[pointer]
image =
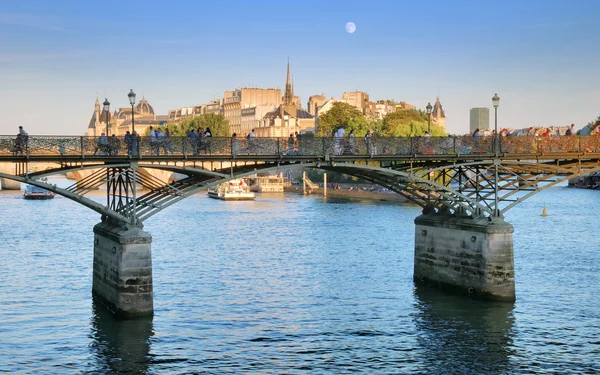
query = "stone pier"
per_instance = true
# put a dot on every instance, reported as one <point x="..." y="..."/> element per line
<point x="467" y="255"/>
<point x="123" y="269"/>
<point x="9" y="184"/>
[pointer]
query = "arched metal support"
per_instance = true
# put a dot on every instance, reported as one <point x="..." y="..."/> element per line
<point x="480" y="187"/>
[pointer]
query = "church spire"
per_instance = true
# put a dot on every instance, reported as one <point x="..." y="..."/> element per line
<point x="288" y="97"/>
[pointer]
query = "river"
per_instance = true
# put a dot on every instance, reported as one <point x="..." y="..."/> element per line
<point x="292" y="284"/>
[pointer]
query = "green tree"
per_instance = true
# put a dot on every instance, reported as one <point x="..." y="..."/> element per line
<point x="359" y="125"/>
<point x="408" y="123"/>
<point x="219" y="126"/>
<point x="340" y="114"/>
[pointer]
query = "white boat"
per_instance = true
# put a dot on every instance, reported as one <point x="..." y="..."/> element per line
<point x="233" y="190"/>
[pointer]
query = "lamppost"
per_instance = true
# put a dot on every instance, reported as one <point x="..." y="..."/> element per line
<point x="106" y="110"/>
<point x="496" y="102"/>
<point x="134" y="152"/>
<point x="131" y="97"/>
<point x="428" y="108"/>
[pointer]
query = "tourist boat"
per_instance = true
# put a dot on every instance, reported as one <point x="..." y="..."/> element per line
<point x="233" y="190"/>
<point x="34" y="192"/>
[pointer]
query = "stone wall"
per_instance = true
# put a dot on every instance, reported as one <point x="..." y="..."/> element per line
<point x="123" y="269"/>
<point x="468" y="255"/>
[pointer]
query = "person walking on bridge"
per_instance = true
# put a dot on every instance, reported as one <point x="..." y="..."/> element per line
<point x="21" y="141"/>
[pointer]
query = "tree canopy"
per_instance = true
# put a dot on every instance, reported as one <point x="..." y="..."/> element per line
<point x="401" y="123"/>
<point x="408" y="123"/>
<point x="340" y="114"/>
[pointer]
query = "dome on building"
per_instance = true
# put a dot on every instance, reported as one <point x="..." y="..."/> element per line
<point x="144" y="108"/>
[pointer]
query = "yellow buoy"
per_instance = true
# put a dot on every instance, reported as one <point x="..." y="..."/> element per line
<point x="544" y="213"/>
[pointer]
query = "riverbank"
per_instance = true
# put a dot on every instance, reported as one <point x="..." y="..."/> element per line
<point x="351" y="192"/>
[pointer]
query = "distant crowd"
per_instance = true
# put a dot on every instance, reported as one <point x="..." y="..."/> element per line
<point x="593" y="129"/>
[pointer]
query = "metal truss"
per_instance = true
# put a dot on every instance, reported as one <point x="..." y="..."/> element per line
<point x="484" y="187"/>
<point x="473" y="185"/>
<point x="126" y="200"/>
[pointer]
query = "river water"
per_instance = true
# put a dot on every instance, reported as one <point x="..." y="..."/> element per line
<point x="296" y="285"/>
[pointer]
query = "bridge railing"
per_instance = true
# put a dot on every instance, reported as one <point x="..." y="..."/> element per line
<point x="304" y="145"/>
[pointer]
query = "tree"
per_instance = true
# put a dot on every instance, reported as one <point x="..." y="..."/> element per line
<point x="408" y="123"/>
<point x="219" y="126"/>
<point x="340" y="114"/>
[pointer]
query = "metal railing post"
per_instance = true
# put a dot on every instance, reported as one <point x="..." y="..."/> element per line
<point x="81" y="145"/>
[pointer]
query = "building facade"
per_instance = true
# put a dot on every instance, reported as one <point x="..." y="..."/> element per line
<point x="288" y="118"/>
<point x="314" y="102"/>
<point x="479" y="119"/>
<point x="359" y="100"/>
<point x="120" y="121"/>
<point x="236" y="100"/>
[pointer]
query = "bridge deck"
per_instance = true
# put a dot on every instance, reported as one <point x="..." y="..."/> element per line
<point x="310" y="149"/>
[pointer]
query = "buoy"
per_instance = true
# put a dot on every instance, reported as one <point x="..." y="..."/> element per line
<point x="544" y="213"/>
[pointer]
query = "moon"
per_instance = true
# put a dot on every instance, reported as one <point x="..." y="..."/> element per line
<point x="350" y="27"/>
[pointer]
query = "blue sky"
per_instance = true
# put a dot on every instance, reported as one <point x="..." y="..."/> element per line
<point x="541" y="57"/>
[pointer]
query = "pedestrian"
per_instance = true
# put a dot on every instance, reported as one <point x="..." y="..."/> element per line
<point x="128" y="142"/>
<point x="21" y="141"/>
<point x="291" y="143"/>
<point x="167" y="142"/>
<point x="367" y="141"/>
<point x="235" y="146"/>
<point x="207" y="140"/>
<point x="251" y="144"/>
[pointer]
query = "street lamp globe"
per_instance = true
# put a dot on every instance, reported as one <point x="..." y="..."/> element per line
<point x="131" y="96"/>
<point x="496" y="100"/>
<point x="429" y="108"/>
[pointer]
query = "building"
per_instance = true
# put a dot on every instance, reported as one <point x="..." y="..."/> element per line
<point x="438" y="117"/>
<point x="314" y="102"/>
<point x="404" y="105"/>
<point x="382" y="107"/>
<point x="236" y="100"/>
<point x="479" y="119"/>
<point x="288" y="117"/>
<point x="120" y="120"/>
<point x="214" y="106"/>
<point x="359" y="100"/>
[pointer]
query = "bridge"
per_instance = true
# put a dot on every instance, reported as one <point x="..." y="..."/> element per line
<point x="464" y="184"/>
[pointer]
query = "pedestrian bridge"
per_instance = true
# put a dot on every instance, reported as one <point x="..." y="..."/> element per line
<point x="464" y="184"/>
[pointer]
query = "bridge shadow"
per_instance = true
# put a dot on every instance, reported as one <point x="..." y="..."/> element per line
<point x="463" y="336"/>
<point x="119" y="346"/>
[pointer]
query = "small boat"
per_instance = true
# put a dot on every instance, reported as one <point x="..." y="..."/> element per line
<point x="233" y="190"/>
<point x="34" y="192"/>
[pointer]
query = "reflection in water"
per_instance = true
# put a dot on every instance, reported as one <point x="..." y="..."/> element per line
<point x="120" y="346"/>
<point x="459" y="335"/>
